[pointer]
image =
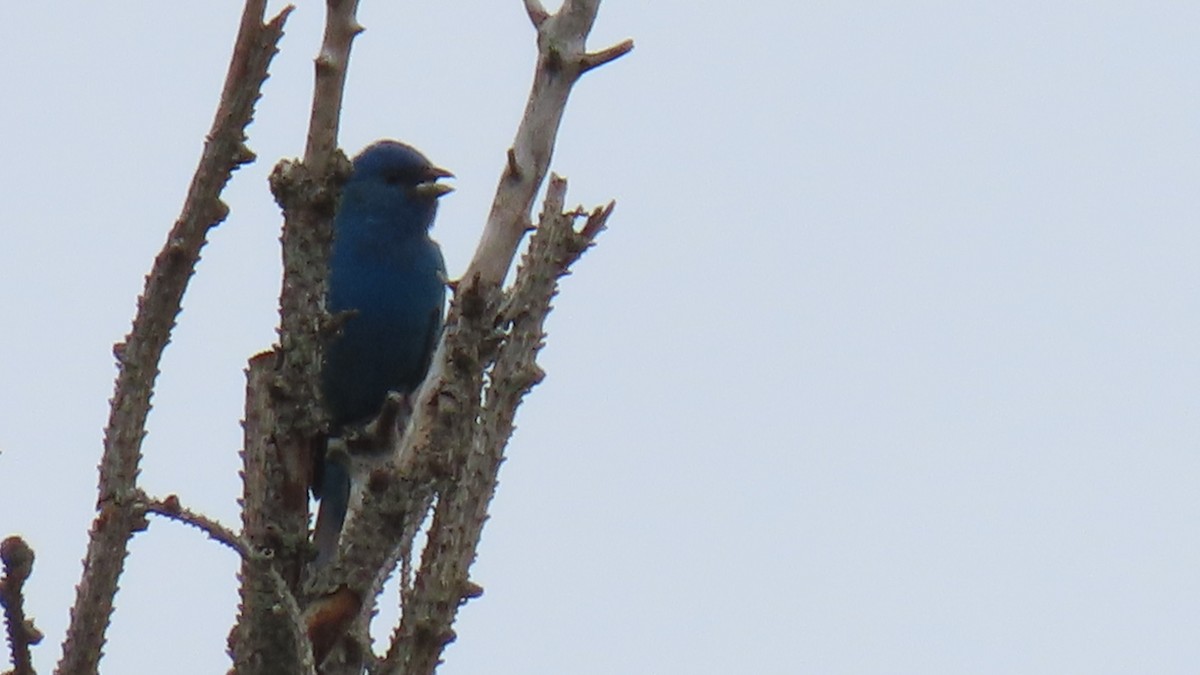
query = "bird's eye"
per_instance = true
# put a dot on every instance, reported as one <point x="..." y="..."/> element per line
<point x="393" y="178"/>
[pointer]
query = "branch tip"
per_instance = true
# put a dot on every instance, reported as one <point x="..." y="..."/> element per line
<point x="597" y="220"/>
<point x="537" y="13"/>
<point x="17" y="557"/>
<point x="597" y="59"/>
<point x="277" y="21"/>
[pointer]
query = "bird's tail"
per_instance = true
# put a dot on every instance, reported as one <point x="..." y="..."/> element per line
<point x="335" y="498"/>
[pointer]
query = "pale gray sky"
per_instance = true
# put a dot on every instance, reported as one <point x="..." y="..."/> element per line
<point x="888" y="363"/>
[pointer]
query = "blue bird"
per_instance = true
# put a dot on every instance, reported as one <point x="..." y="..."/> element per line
<point x="390" y="278"/>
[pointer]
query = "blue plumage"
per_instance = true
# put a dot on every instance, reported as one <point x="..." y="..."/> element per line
<point x="387" y="271"/>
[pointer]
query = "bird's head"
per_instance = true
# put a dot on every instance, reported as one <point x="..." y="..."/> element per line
<point x="396" y="177"/>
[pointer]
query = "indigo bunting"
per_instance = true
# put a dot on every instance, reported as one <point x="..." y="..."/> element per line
<point x="389" y="277"/>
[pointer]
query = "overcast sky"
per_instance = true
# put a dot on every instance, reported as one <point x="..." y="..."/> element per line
<point x="887" y="364"/>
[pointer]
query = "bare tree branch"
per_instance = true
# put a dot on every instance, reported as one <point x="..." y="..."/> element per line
<point x="171" y="509"/>
<point x="332" y="64"/>
<point x="537" y="13"/>
<point x="562" y="58"/>
<point x="261" y="577"/>
<point x="597" y="59"/>
<point x="308" y="193"/>
<point x="554" y="248"/>
<point x="442" y="584"/>
<point x="264" y="639"/>
<point x="138" y="356"/>
<point x="18" y="565"/>
<point x="284" y="417"/>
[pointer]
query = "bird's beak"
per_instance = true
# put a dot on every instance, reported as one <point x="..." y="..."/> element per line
<point x="433" y="189"/>
<point x="436" y="172"/>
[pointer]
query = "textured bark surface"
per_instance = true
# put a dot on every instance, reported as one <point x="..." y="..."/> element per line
<point x="284" y="418"/>
<point x="139" y="354"/>
<point x="21" y="633"/>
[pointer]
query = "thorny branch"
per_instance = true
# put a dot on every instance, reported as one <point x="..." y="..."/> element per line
<point x="22" y="634"/>
<point x="442" y="583"/>
<point x="284" y="418"/>
<point x="172" y="509"/>
<point x="562" y="59"/>
<point x="139" y="355"/>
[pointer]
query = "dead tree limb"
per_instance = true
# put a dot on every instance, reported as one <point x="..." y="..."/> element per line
<point x="139" y="354"/>
<point x="284" y="419"/>
<point x="22" y="634"/>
